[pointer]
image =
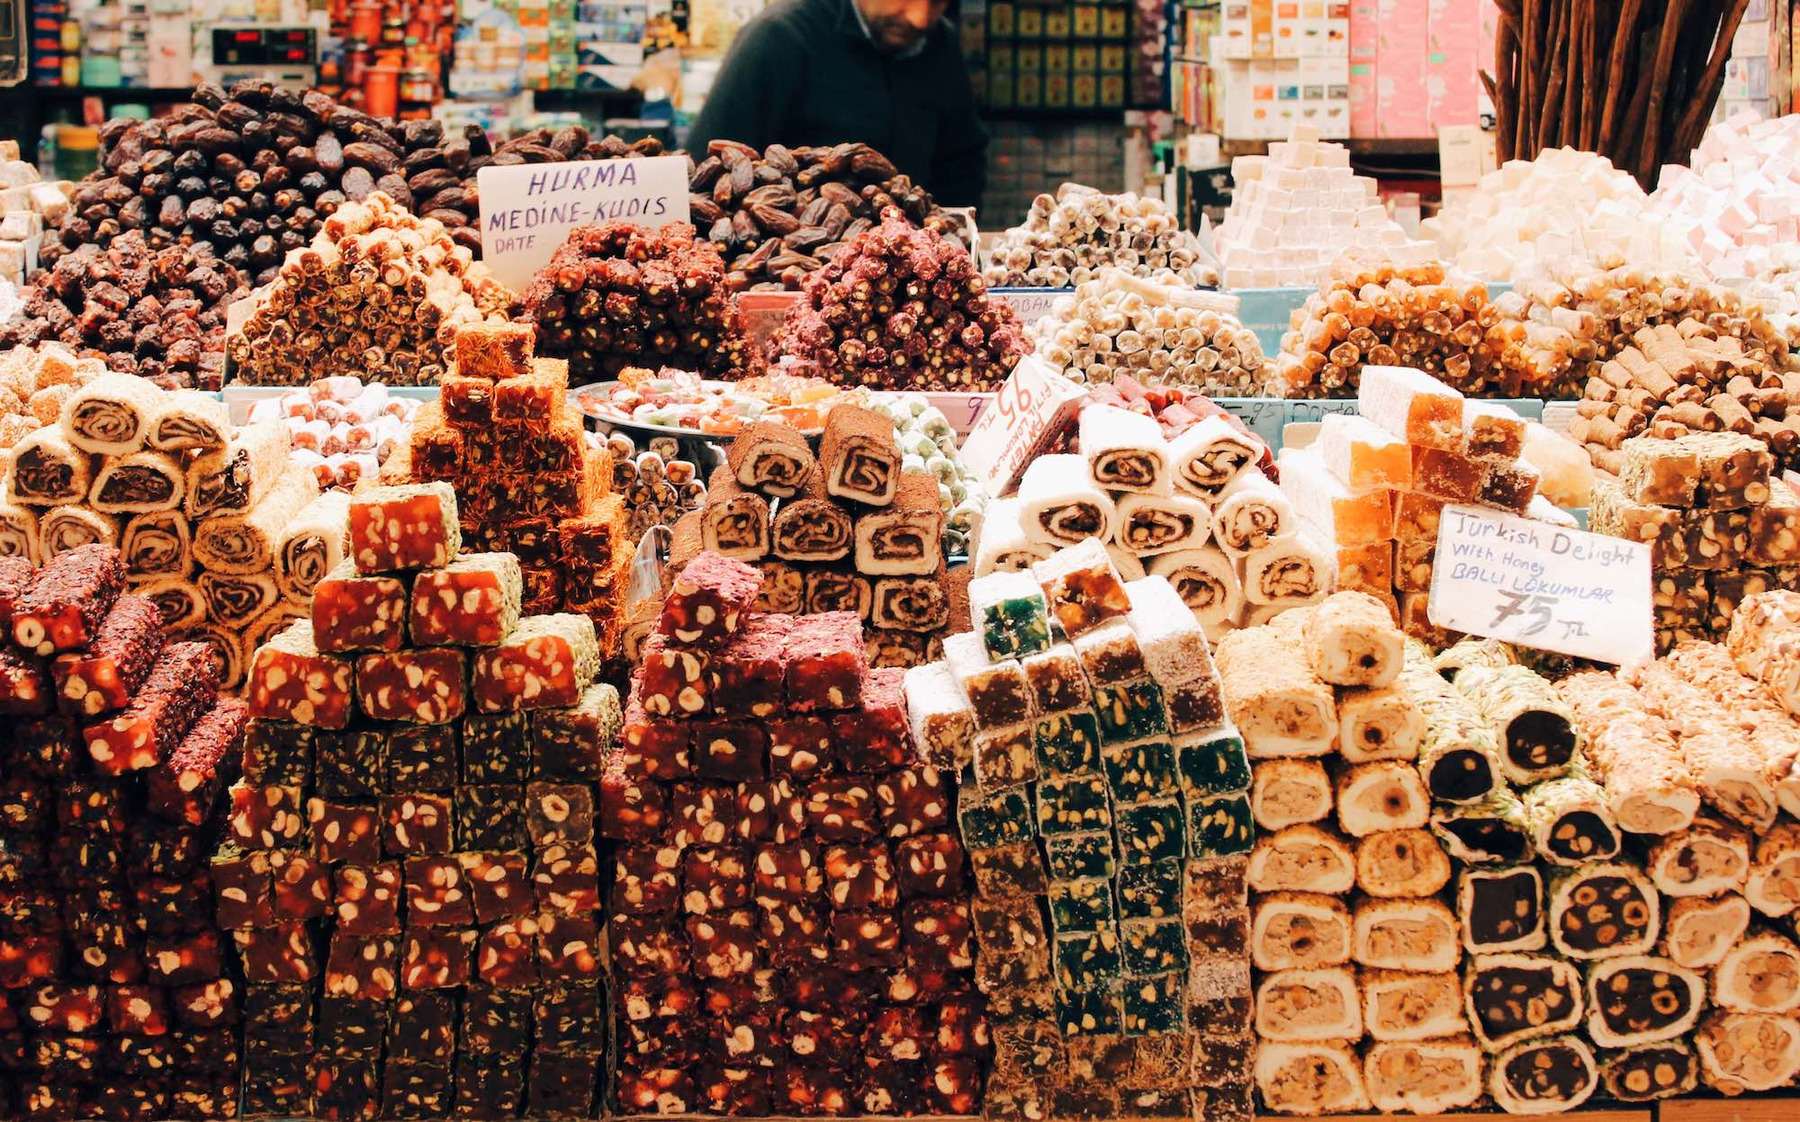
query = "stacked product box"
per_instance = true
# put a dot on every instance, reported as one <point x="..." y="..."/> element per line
<point x="790" y="932"/>
<point x="848" y="530"/>
<point x="1102" y="787"/>
<point x="1374" y="486"/>
<point x="215" y="524"/>
<point x="527" y="480"/>
<point x="117" y="747"/>
<point x="1719" y="525"/>
<point x="410" y="876"/>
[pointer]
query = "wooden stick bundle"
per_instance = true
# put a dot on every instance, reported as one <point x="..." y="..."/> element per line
<point x="1635" y="82"/>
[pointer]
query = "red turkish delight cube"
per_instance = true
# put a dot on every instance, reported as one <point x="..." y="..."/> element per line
<point x="290" y="680"/>
<point x="66" y="1008"/>
<point x="701" y="813"/>
<point x="744" y="1035"/>
<point x="875" y="735"/>
<point x="184" y="787"/>
<point x="647" y="945"/>
<point x="929" y="864"/>
<point x="729" y="750"/>
<point x="106" y="674"/>
<point x="205" y="1005"/>
<point x="748" y="672"/>
<point x="938" y="932"/>
<point x="282" y="953"/>
<point x="794" y="934"/>
<point x="768" y="810"/>
<point x="137" y="1010"/>
<point x="868" y="940"/>
<point x="632" y="808"/>
<point x="883" y="1086"/>
<point x="709" y="600"/>
<point x="568" y="947"/>
<point x="473" y="602"/>
<point x="436" y="957"/>
<point x="436" y="893"/>
<point x="898" y="1032"/>
<point x="544" y="664"/>
<point x="826" y="662"/>
<point x="816" y="1033"/>
<point x="367" y="900"/>
<point x="658" y="747"/>
<point x="243" y="889"/>
<point x="723" y="945"/>
<point x="507" y="954"/>
<point x="646" y="878"/>
<point x="861" y="877"/>
<point x="842" y="807"/>
<point x="353" y="612"/>
<point x="913" y="801"/>
<point x="366" y="967"/>
<point x="672" y="681"/>
<point x="409" y="526"/>
<point x="566" y="880"/>
<point x="265" y="817"/>
<point x="182" y="686"/>
<point x="800" y="747"/>
<point x="499" y="884"/>
<point x="833" y="988"/>
<point x="559" y="813"/>
<point x="302" y="885"/>
<point x="415" y="823"/>
<point x="713" y="879"/>
<point x="645" y="999"/>
<point x="788" y="873"/>
<point x="344" y="831"/>
<point x="417" y="686"/>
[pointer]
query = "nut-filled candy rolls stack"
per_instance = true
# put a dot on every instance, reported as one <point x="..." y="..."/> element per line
<point x="410" y="876"/>
<point x="1099" y="778"/>
<point x="526" y="479"/>
<point x="847" y="530"/>
<point x="117" y="746"/>
<point x="790" y="929"/>
<point x="1720" y="526"/>
<point x="199" y="511"/>
<point x="1349" y="936"/>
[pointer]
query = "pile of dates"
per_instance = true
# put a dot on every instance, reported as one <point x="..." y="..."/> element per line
<point x="157" y="312"/>
<point x="777" y="216"/>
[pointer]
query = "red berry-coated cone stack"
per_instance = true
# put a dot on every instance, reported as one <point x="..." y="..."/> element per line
<point x="790" y="931"/>
<point x="115" y="748"/>
<point x="411" y="881"/>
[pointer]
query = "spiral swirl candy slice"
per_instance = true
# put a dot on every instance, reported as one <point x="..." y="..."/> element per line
<point x="1125" y="450"/>
<point x="111" y="415"/>
<point x="18" y="533"/>
<point x="1707" y="858"/>
<point x="157" y="546"/>
<point x="811" y="527"/>
<point x="236" y="477"/>
<point x="1250" y="513"/>
<point x="1773" y="886"/>
<point x="1060" y="505"/>
<point x="139" y="483"/>
<point x="246" y="542"/>
<point x="858" y="455"/>
<point x="48" y="471"/>
<point x="905" y="537"/>
<point x="71" y="527"/>
<point x="188" y="420"/>
<point x="1209" y="454"/>
<point x="774" y="459"/>
<point x="1206" y="581"/>
<point x="234" y="600"/>
<point x="914" y="604"/>
<point x="735" y="520"/>
<point x="178" y="601"/>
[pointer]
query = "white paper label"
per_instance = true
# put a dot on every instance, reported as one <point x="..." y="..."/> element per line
<point x="1032" y="404"/>
<point x="527" y="210"/>
<point x="1540" y="585"/>
<point x="1030" y="304"/>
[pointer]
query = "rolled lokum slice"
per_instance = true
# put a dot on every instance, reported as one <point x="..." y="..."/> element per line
<point x="181" y="686"/>
<point x="1516" y="997"/>
<point x="1728" y="768"/>
<point x="835" y="589"/>
<point x="708" y="600"/>
<point x="1310" y="1079"/>
<point x="1603" y="910"/>
<point x="106" y="675"/>
<point x="1760" y="974"/>
<point x="1302" y="1005"/>
<point x="772" y="458"/>
<point x="110" y="415"/>
<point x="1773" y="884"/>
<point x="1705" y="859"/>
<point x="245" y="542"/>
<point x="1405" y="934"/>
<point x="1649" y="1072"/>
<point x="310" y="545"/>
<point x="1387" y="795"/>
<point x="410" y="526"/>
<point x="943" y="721"/>
<point x="1700" y="930"/>
<point x="1082" y="587"/>
<point x="997" y="691"/>
<point x="1547" y="1076"/>
<point x="901" y="539"/>
<point x="1209" y="454"/>
<point x="177" y="601"/>
<point x="1291" y="571"/>
<point x="1473" y="652"/>
<point x="1289" y="792"/>
<point x="1423" y="1076"/>
<point x="139" y="484"/>
<point x="474" y="601"/>
<point x="68" y="600"/>
<point x="71" y="527"/>
<point x="858" y="455"/>
<point x="1010" y="613"/>
<point x="1641" y="999"/>
<point x="1399" y="863"/>
<point x="1501" y="908"/>
<point x="1280" y="706"/>
<point x="188" y="420"/>
<point x="1411" y="405"/>
<point x="1351" y="640"/>
<point x="1459" y="756"/>
<point x="1207" y="583"/>
<point x="1341" y="516"/>
<point x="1299" y="931"/>
<point x="544" y="664"/>
<point x="48" y="471"/>
<point x="1302" y="858"/>
<point x="1489" y="831"/>
<point x="1003" y="545"/>
<point x="1251" y="513"/>
<point x="1748" y="1051"/>
<point x="19" y="531"/>
<point x="735" y="520"/>
<point x="1633" y="754"/>
<point x="1570" y="821"/>
<point x="236" y="477"/>
<point x="1403" y="1005"/>
<point x="1125" y="451"/>
<point x="1060" y="505"/>
<point x="1151" y="524"/>
<point x="1535" y="726"/>
<point x="1378" y="724"/>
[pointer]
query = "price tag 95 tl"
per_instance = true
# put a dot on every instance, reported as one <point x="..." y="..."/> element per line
<point x="1539" y="585"/>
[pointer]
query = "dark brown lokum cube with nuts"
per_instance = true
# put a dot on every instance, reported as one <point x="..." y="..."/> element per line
<point x="351" y="1026"/>
<point x="632" y="809"/>
<point x="646" y="878"/>
<point x="559" y="814"/>
<point x="499" y="884"/>
<point x="789" y="872"/>
<point x="436" y="957"/>
<point x="868" y="940"/>
<point x="560" y="1086"/>
<point x="436" y="893"/>
<point x="656" y="747"/>
<point x="647" y="945"/>
<point x="826" y="662"/>
<point x="495" y="1021"/>
<point x="566" y="879"/>
<point x="571" y="1018"/>
<point x="302" y="885"/>
<point x="494" y="747"/>
<point x="416" y="823"/>
<point x="266" y="817"/>
<point x="860" y="877"/>
<point x="281" y="953"/>
<point x="722" y="945"/>
<point x="506" y="956"/>
<point x="873" y="735"/>
<point x="729" y="750"/>
<point x="368" y="899"/>
<point x="490" y="816"/>
<point x="243" y="888"/>
<point x="278" y="1019"/>
<point x="344" y="831"/>
<point x="938" y="932"/>
<point x="566" y="744"/>
<point x="800" y="747"/>
<point x="929" y="864"/>
<point x="794" y="934"/>
<point x="422" y="1028"/>
<point x="768" y="810"/>
<point x="713" y="879"/>
<point x="747" y="673"/>
<point x="421" y="758"/>
<point x="568" y="947"/>
<point x="842" y="807"/>
<point x="366" y="967"/>
<point x="352" y="763"/>
<point x="672" y="681"/>
<point x="277" y="753"/>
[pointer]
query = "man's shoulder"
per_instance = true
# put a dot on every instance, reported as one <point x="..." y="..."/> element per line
<point x="802" y="19"/>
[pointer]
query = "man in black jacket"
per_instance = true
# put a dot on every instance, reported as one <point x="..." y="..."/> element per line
<point x="888" y="73"/>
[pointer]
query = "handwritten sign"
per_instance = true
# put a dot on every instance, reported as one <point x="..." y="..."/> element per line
<point x="1033" y="405"/>
<point x="527" y="210"/>
<point x="1540" y="585"/>
<point x="1030" y="304"/>
<point x="1263" y="416"/>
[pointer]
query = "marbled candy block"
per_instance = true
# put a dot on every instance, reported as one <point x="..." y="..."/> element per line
<point x="495" y="747"/>
<point x="422" y="758"/>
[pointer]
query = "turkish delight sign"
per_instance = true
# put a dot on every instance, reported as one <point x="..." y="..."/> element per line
<point x="527" y="210"/>
<point x="1033" y="405"/>
<point x="1540" y="585"/>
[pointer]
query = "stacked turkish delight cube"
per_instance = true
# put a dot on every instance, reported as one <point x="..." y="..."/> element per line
<point x="527" y="479"/>
<point x="790" y="933"/>
<point x="1374" y="485"/>
<point x="1720" y="528"/>
<point x="1100" y="786"/>
<point x="410" y="878"/>
<point x="850" y="529"/>
<point x="117" y="748"/>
